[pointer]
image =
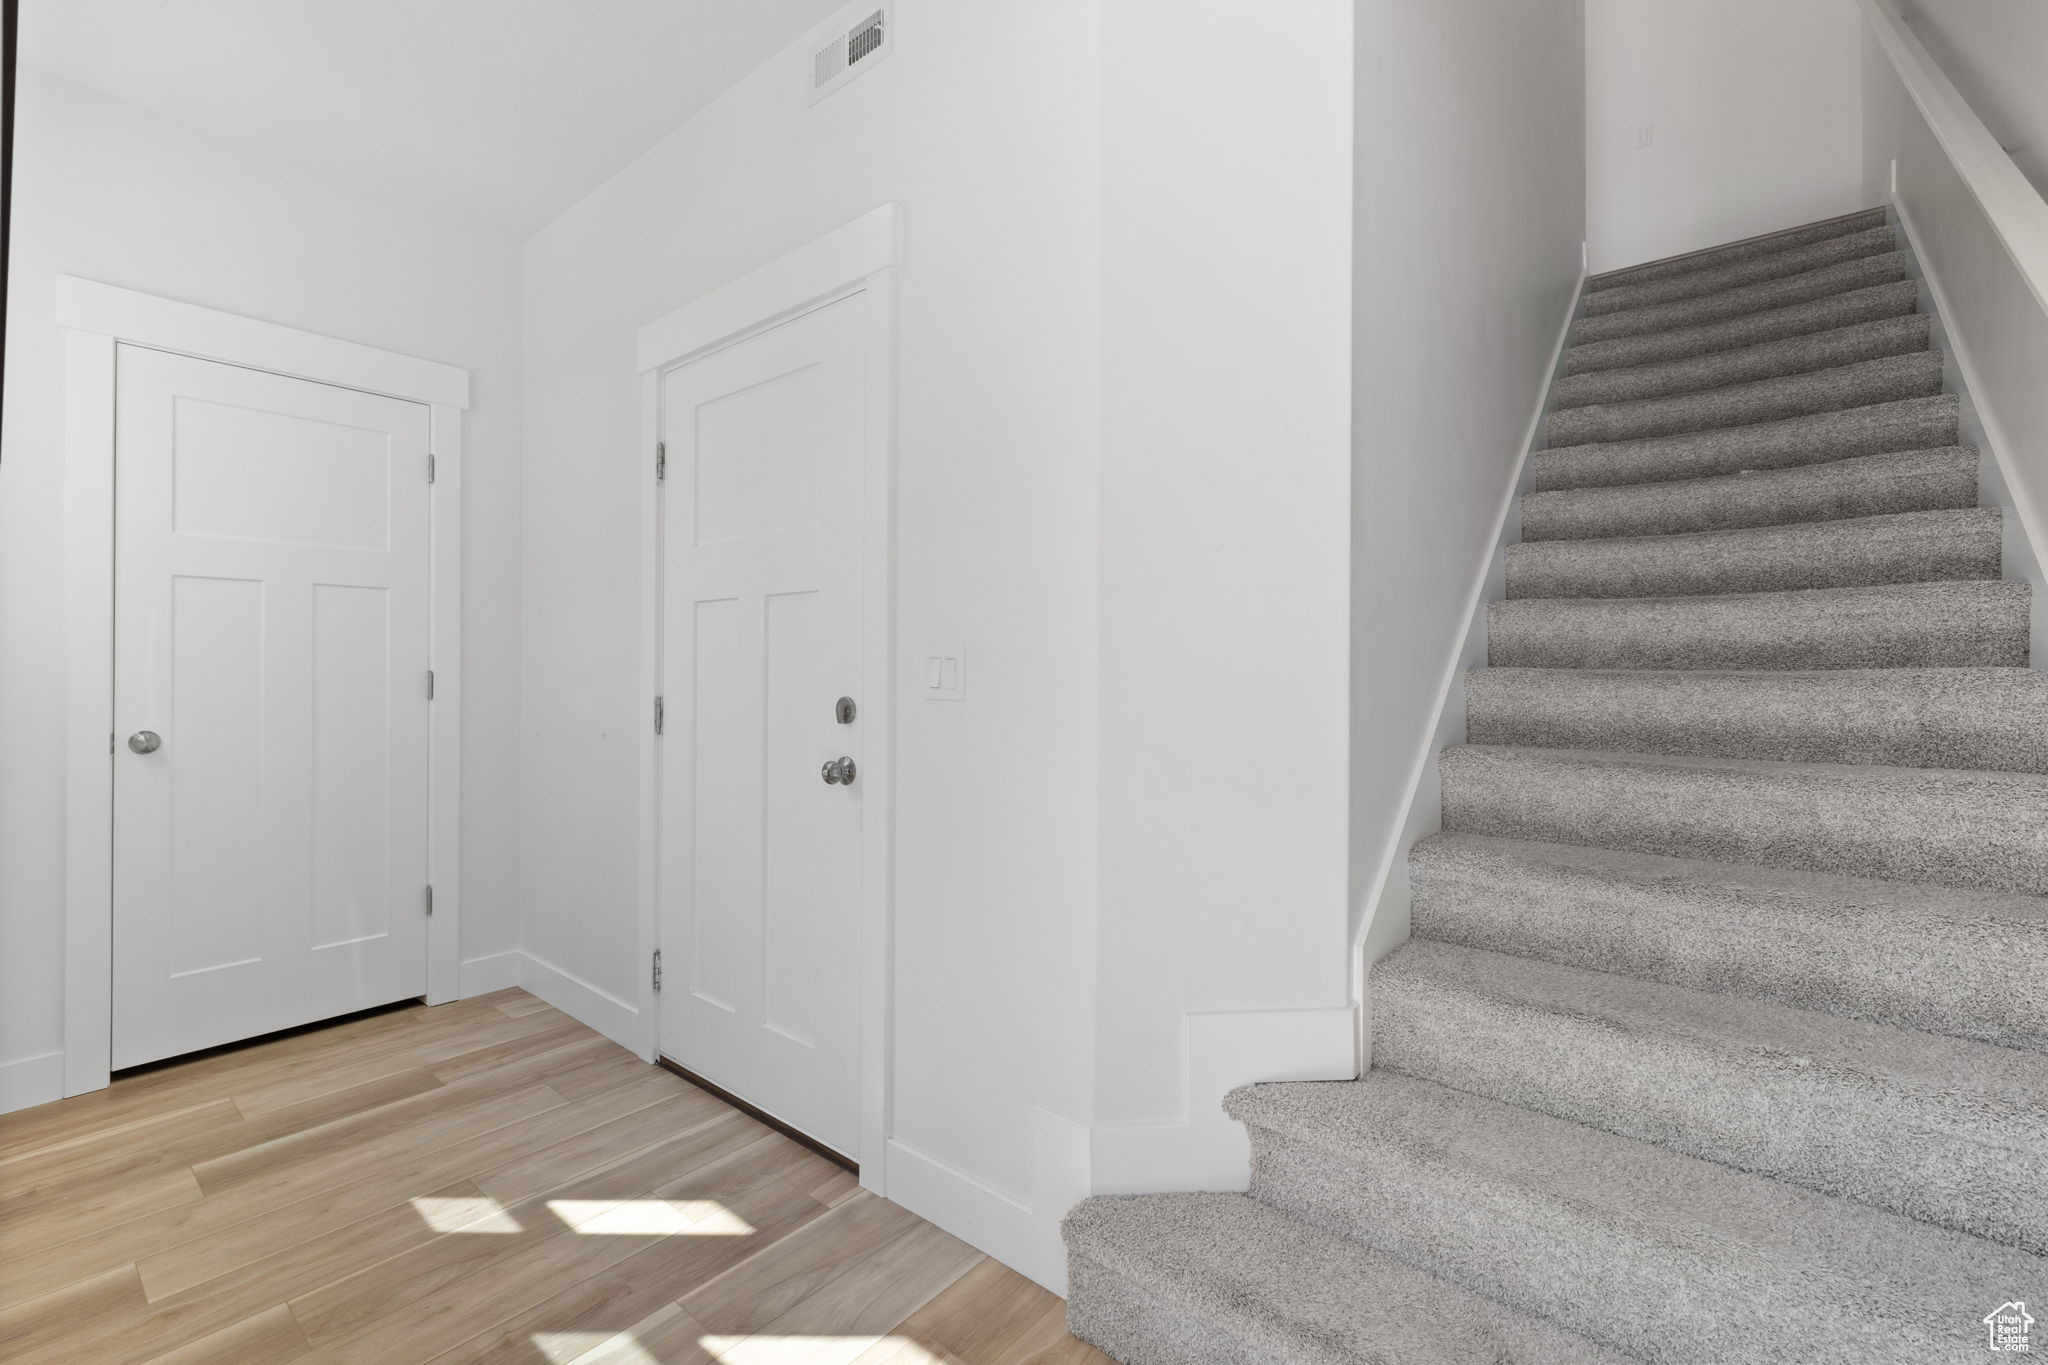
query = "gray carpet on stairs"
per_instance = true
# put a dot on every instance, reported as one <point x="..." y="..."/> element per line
<point x="1749" y="298"/>
<point x="1809" y="939"/>
<point x="1902" y="547"/>
<point x="1833" y="312"/>
<point x="1991" y="718"/>
<point x="1795" y="355"/>
<point x="1886" y="379"/>
<point x="1941" y="1129"/>
<point x="1907" y="424"/>
<point x="1722" y="1037"/>
<point x="1671" y="1258"/>
<point x="1954" y="827"/>
<point x="1218" y="1279"/>
<point x="1902" y="625"/>
<point x="1861" y="486"/>
<point x="1768" y="245"/>
<point x="1712" y="278"/>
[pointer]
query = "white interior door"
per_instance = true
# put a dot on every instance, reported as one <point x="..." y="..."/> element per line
<point x="271" y="630"/>
<point x="760" y="857"/>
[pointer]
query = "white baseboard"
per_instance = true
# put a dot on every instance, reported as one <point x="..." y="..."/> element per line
<point x="583" y="1002"/>
<point x="31" y="1081"/>
<point x="482" y="975"/>
<point x="1023" y="1236"/>
<point x="1207" y="1149"/>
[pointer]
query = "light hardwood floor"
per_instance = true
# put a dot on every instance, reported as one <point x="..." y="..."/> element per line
<point x="482" y="1181"/>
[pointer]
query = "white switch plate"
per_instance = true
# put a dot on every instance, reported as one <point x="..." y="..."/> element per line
<point x="942" y="674"/>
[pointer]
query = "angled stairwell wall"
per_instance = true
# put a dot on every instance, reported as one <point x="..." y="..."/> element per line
<point x="1457" y="327"/>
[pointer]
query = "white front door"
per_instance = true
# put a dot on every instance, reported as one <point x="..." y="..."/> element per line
<point x="760" y="857"/>
<point x="270" y="636"/>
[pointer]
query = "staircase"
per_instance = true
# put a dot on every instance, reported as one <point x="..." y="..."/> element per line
<point x="1723" y="1033"/>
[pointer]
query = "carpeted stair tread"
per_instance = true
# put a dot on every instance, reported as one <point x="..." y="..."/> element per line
<point x="1968" y="964"/>
<point x="1678" y="1260"/>
<point x="1886" y="379"/>
<point x="1861" y="486"/>
<point x="1971" y="624"/>
<point x="1900" y="547"/>
<point x="1768" y="244"/>
<point x="1950" y="827"/>
<point x="1946" y="1130"/>
<point x="1767" y="360"/>
<point x="1828" y="313"/>
<point x="1714" y="277"/>
<point x="1840" y="278"/>
<point x="1819" y="438"/>
<point x="1990" y="718"/>
<point x="1220" y="1279"/>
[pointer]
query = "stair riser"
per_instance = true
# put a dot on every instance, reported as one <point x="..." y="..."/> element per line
<point x="1768" y="245"/>
<point x="1754" y="298"/>
<point x="1890" y="379"/>
<point x="1897" y="299"/>
<point x="1926" y="1155"/>
<point x="1713" y="278"/>
<point x="1910" y="722"/>
<point x="1867" y="486"/>
<point x="1615" y="1283"/>
<point x="1115" y="1315"/>
<point x="1860" y="958"/>
<point x="1989" y="833"/>
<point x="1797" y="355"/>
<point x="1920" y="547"/>
<point x="1971" y="626"/>
<point x="1916" y="424"/>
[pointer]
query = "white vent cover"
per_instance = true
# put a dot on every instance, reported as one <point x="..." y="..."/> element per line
<point x="843" y="56"/>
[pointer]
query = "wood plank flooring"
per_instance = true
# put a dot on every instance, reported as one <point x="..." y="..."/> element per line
<point x="486" y="1181"/>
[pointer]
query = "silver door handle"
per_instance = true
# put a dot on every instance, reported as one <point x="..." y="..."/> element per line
<point x="839" y="770"/>
<point x="145" y="741"/>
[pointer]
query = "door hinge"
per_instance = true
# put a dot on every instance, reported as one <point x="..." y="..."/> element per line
<point x="430" y="899"/>
<point x="657" y="715"/>
<point x="657" y="969"/>
<point x="660" y="461"/>
<point x="430" y="466"/>
<point x="430" y="684"/>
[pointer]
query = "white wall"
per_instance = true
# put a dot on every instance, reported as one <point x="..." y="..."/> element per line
<point x="108" y="192"/>
<point x="1996" y="51"/>
<point x="994" y="161"/>
<point x="1756" y="121"/>
<point x="1468" y="262"/>
<point x="1226" y="480"/>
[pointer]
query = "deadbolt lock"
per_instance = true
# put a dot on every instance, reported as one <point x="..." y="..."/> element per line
<point x="844" y="710"/>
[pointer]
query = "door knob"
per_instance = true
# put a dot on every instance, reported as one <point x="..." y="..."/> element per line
<point x="149" y="741"/>
<point x="839" y="770"/>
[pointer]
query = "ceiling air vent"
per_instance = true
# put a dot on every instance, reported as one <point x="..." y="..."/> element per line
<point x="839" y="58"/>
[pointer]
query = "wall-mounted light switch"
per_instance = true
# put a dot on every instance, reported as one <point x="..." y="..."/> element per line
<point x="945" y="675"/>
<point x="1646" y="133"/>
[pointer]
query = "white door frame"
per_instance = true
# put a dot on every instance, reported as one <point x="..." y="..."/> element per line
<point x="860" y="257"/>
<point x="96" y="318"/>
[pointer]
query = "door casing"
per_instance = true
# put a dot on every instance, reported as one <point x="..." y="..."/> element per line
<point x="860" y="257"/>
<point x="96" y="318"/>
